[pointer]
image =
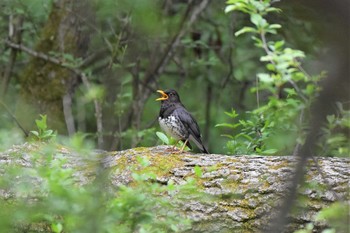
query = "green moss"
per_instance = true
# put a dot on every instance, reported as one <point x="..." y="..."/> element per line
<point x="164" y="163"/>
<point x="141" y="149"/>
<point x="281" y="164"/>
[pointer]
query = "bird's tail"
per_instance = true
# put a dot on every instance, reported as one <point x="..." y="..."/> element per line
<point x="205" y="150"/>
<point x="199" y="144"/>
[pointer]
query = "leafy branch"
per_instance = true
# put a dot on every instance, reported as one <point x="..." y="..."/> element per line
<point x="286" y="83"/>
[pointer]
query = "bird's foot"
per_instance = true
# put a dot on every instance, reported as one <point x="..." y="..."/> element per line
<point x="174" y="150"/>
<point x="177" y="151"/>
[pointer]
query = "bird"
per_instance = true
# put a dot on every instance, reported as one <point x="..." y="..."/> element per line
<point x="177" y="122"/>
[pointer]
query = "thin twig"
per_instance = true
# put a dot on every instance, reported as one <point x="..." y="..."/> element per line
<point x="302" y="70"/>
<point x="98" y="31"/>
<point x="36" y="54"/>
<point x="300" y="93"/>
<point x="265" y="47"/>
<point x="67" y="112"/>
<point x="26" y="134"/>
<point x="187" y="21"/>
<point x="98" y="112"/>
<point x="257" y="92"/>
<point x="229" y="59"/>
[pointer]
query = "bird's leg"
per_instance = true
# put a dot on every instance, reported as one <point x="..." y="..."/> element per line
<point x="183" y="147"/>
<point x="174" y="146"/>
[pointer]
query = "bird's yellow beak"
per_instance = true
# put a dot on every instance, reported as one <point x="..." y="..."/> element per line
<point x="164" y="95"/>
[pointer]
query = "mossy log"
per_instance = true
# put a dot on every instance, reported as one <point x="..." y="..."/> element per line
<point x="244" y="190"/>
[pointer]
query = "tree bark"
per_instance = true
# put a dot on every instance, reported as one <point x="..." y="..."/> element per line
<point x="240" y="193"/>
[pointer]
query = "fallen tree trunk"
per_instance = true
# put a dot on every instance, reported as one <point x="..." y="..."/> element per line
<point x="244" y="190"/>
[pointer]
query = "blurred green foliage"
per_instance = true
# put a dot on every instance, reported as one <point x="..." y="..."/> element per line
<point x="335" y="216"/>
<point x="49" y="197"/>
<point x="335" y="139"/>
<point x="277" y="125"/>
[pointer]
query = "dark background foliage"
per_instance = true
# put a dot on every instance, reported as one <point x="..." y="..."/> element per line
<point x="94" y="67"/>
<point x="260" y="77"/>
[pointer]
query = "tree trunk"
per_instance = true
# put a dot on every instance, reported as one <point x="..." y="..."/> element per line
<point x="44" y="84"/>
<point x="240" y="193"/>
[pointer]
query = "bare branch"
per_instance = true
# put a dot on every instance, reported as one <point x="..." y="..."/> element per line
<point x="68" y="115"/>
<point x="15" y="34"/>
<point x="185" y="25"/>
<point x="26" y="134"/>
<point x="36" y="54"/>
<point x="98" y="112"/>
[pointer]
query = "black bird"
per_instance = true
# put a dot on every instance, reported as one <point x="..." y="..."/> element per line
<point x="177" y="122"/>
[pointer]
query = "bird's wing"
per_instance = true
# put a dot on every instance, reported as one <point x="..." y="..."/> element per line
<point x="192" y="126"/>
<point x="188" y="120"/>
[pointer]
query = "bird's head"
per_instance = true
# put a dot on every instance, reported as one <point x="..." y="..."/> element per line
<point x="169" y="96"/>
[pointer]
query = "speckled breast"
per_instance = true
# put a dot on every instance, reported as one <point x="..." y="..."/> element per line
<point x="173" y="127"/>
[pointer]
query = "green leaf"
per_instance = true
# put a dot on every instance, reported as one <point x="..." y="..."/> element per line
<point x="256" y="19"/>
<point x="245" y="30"/>
<point x="336" y="139"/>
<point x="247" y="137"/>
<point x="57" y="227"/>
<point x="279" y="44"/>
<point x="230" y="8"/>
<point x="238" y="5"/>
<point x="163" y="137"/>
<point x="95" y="92"/>
<point x="273" y="9"/>
<point x="294" y="53"/>
<point x="332" y="211"/>
<point x="228" y="125"/>
<point x="36" y="133"/>
<point x="198" y="171"/>
<point x="47" y="133"/>
<point x="329" y="231"/>
<point x="265" y="78"/>
<point x="331" y="118"/>
<point x="232" y="114"/>
<point x="41" y="124"/>
<point x="275" y="26"/>
<point x="227" y="135"/>
<point x="269" y="151"/>
<point x="290" y="91"/>
<point x="310" y="89"/>
<point x="258" y="42"/>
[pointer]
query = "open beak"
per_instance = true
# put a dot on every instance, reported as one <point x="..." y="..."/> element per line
<point x="164" y="96"/>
